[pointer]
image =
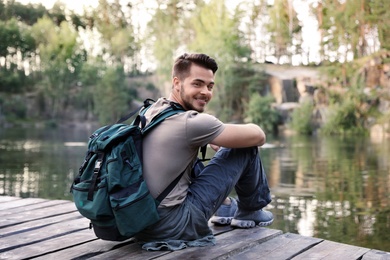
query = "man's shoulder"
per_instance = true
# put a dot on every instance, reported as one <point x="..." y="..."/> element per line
<point x="201" y="116"/>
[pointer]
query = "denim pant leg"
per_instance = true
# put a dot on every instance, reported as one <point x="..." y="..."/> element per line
<point x="230" y="168"/>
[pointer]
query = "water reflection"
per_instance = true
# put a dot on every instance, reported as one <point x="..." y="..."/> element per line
<point x="333" y="188"/>
<point x="40" y="163"/>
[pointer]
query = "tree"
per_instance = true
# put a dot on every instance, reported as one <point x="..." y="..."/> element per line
<point x="169" y="31"/>
<point x="16" y="46"/>
<point x="117" y="34"/>
<point x="61" y="61"/>
<point x="285" y="30"/>
<point x="379" y="17"/>
<point x="111" y="98"/>
<point x="28" y="14"/>
<point x="256" y="32"/>
<point x="216" y="32"/>
<point x="346" y="28"/>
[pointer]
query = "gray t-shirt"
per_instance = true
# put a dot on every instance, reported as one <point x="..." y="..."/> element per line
<point x="169" y="149"/>
<point x="172" y="147"/>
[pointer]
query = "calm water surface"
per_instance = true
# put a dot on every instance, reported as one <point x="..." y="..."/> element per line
<point x="333" y="188"/>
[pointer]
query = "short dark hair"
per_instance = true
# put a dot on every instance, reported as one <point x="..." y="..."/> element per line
<point x="182" y="65"/>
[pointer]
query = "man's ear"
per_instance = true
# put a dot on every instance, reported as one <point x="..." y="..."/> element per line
<point x="176" y="84"/>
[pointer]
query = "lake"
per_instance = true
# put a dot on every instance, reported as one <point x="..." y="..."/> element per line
<point x="335" y="188"/>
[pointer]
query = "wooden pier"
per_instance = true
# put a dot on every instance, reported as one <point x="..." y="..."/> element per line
<point x="53" y="229"/>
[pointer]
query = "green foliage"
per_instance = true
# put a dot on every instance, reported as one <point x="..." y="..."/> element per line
<point x="117" y="33"/>
<point x="61" y="62"/>
<point x="57" y="13"/>
<point x="168" y="30"/>
<point x="346" y="26"/>
<point x="16" y="41"/>
<point x="27" y="13"/>
<point x="260" y="112"/>
<point x="37" y="43"/>
<point x="13" y="107"/>
<point x="301" y="118"/>
<point x="14" y="38"/>
<point x="14" y="80"/>
<point x="111" y="98"/>
<point x="217" y="33"/>
<point x="91" y="73"/>
<point x="284" y="28"/>
<point x="345" y="118"/>
<point x="241" y="81"/>
<point x="379" y="16"/>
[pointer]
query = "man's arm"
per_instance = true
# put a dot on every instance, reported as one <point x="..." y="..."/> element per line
<point x="240" y="136"/>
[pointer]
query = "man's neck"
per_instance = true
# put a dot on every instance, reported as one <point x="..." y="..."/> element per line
<point x="174" y="99"/>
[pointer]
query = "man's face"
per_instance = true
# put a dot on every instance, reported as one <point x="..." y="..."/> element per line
<point x="196" y="90"/>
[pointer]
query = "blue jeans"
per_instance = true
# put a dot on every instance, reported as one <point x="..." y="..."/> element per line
<point x="239" y="168"/>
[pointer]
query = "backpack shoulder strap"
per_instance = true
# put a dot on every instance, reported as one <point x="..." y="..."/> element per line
<point x="169" y="188"/>
<point x="173" y="109"/>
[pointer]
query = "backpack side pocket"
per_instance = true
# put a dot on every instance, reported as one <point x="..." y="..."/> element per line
<point x="134" y="208"/>
<point x="99" y="207"/>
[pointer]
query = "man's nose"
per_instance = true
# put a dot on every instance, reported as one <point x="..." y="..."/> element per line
<point x="205" y="90"/>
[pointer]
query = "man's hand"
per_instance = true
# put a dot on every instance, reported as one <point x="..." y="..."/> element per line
<point x="214" y="147"/>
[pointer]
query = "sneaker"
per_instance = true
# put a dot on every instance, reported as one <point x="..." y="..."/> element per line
<point x="225" y="213"/>
<point x="249" y="219"/>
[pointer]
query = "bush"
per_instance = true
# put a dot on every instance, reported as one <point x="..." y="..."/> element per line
<point x="344" y="118"/>
<point x="301" y="118"/>
<point x="260" y="112"/>
<point x="13" y="107"/>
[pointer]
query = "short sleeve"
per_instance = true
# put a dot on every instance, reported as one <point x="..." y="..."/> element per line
<point x="202" y="128"/>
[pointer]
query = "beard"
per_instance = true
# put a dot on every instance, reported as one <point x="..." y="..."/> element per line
<point x="187" y="101"/>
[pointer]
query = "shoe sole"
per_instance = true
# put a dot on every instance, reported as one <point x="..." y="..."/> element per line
<point x="221" y="220"/>
<point x="249" y="223"/>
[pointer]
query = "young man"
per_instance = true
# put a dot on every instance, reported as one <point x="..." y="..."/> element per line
<point x="172" y="148"/>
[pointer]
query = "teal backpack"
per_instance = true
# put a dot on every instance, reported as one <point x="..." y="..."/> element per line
<point x="110" y="190"/>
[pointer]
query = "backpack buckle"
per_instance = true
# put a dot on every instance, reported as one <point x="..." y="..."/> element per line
<point x="98" y="163"/>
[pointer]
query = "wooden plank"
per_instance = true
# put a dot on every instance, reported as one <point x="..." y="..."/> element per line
<point x="227" y="243"/>
<point x="6" y="199"/>
<point x="332" y="250"/>
<point x="376" y="255"/>
<point x="19" y="203"/>
<point x="84" y="251"/>
<point x="43" y="233"/>
<point x="49" y="245"/>
<point x="41" y="205"/>
<point x="281" y="247"/>
<point x="134" y="250"/>
<point x="37" y="214"/>
<point x="94" y="250"/>
<point x="218" y="229"/>
<point x="37" y="224"/>
<point x="98" y="247"/>
<point x="43" y="229"/>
